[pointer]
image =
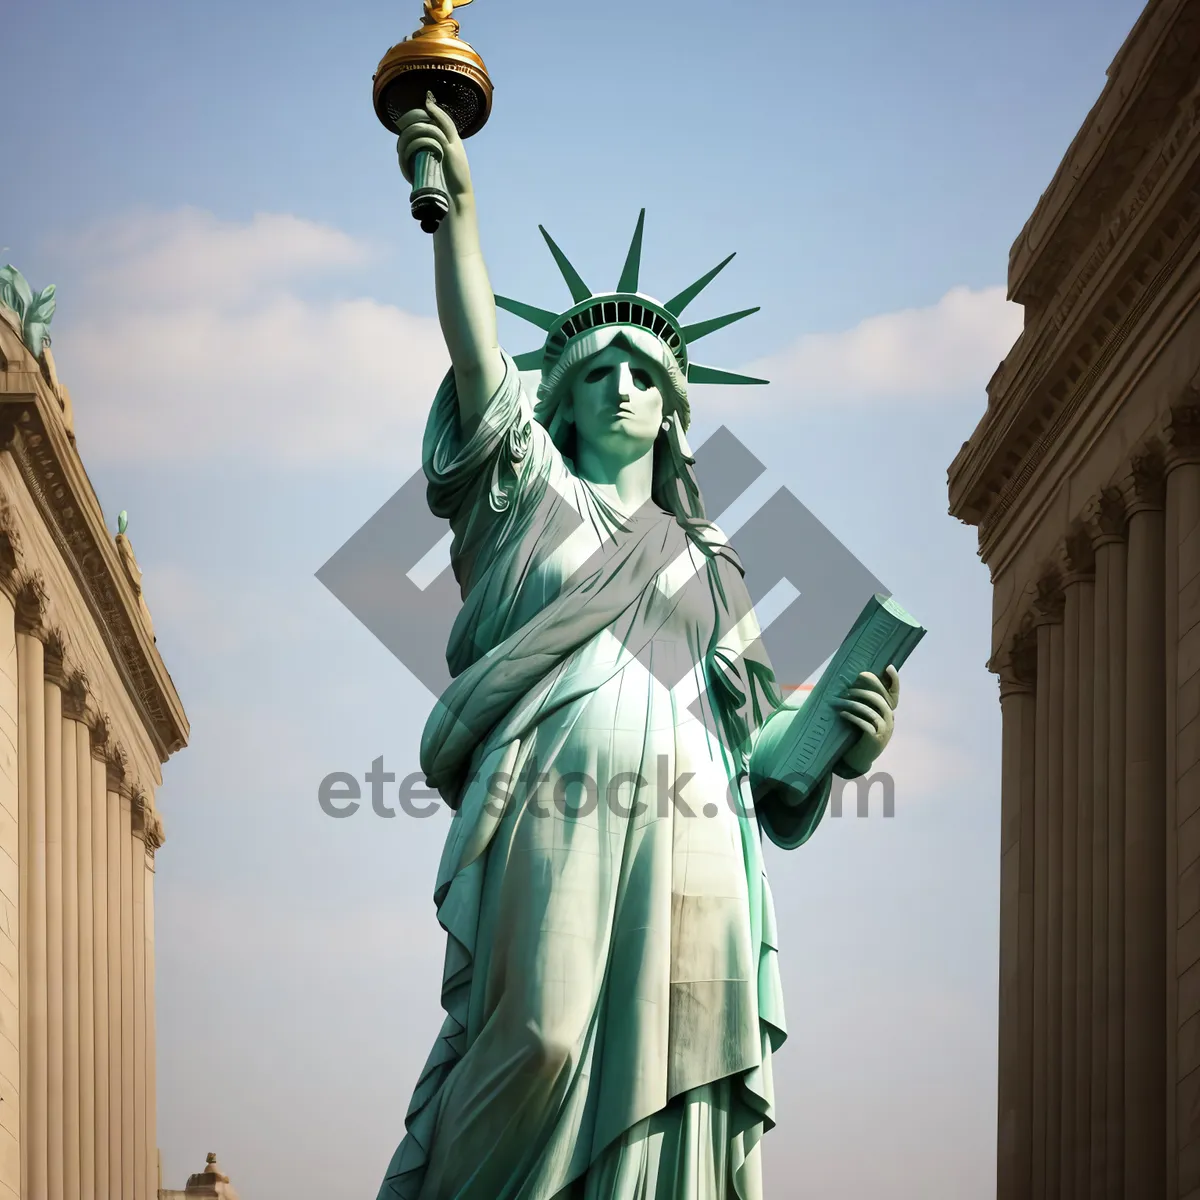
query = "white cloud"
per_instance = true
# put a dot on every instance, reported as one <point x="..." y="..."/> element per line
<point x="195" y="341"/>
<point x="917" y="354"/>
<point x="147" y="258"/>
<point x="202" y="339"/>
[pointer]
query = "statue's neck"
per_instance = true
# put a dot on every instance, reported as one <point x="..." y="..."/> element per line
<point x="627" y="485"/>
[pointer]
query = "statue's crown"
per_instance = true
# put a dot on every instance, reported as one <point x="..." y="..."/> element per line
<point x="625" y="306"/>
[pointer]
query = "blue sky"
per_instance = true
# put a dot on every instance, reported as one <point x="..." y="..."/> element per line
<point x="246" y="326"/>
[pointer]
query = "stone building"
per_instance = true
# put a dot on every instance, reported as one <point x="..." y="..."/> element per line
<point x="210" y="1184"/>
<point x="88" y="714"/>
<point x="1083" y="478"/>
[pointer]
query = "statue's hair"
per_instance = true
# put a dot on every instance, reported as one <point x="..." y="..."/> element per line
<point x="674" y="488"/>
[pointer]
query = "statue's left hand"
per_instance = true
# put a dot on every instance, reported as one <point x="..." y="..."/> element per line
<point x="870" y="706"/>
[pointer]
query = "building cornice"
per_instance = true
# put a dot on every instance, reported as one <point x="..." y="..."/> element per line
<point x="34" y="430"/>
<point x="1065" y="355"/>
<point x="1154" y="67"/>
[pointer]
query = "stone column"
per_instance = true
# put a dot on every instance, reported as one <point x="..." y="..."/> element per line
<point x="11" y="856"/>
<point x="1105" y="526"/>
<point x="56" y="1099"/>
<point x="73" y="697"/>
<point x="1068" y="858"/>
<point x="137" y="870"/>
<point x="154" y="839"/>
<point x="128" y="1109"/>
<point x="31" y="769"/>
<point x="1145" y="850"/>
<point x="1017" y="669"/>
<point x="11" y="1085"/>
<point x="1047" y="922"/>
<point x="1183" y="798"/>
<point x="116" y="993"/>
<point x="100" y="955"/>
<point x="87" y="962"/>
<point x="1079" y="632"/>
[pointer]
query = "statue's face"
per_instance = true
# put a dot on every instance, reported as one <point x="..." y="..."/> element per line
<point x="617" y="405"/>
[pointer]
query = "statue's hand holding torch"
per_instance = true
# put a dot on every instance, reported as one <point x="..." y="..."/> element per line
<point x="436" y="69"/>
<point x="431" y="152"/>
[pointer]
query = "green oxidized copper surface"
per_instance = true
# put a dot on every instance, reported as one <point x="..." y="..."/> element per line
<point x="34" y="309"/>
<point x="625" y="305"/>
<point x="611" y="987"/>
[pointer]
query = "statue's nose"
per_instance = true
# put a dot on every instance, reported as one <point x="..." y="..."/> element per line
<point x="625" y="387"/>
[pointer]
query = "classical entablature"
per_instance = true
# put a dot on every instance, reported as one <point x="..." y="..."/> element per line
<point x="36" y="429"/>
<point x="1106" y="271"/>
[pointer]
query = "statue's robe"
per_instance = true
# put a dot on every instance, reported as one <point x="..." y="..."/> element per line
<point x="611" y="985"/>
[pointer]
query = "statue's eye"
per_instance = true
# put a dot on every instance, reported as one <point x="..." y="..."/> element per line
<point x="642" y="379"/>
<point x="597" y="374"/>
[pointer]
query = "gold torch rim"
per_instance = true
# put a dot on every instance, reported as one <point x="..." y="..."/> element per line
<point x="446" y="54"/>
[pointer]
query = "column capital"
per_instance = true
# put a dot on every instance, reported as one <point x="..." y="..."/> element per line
<point x="1016" y="664"/>
<point x="1181" y="432"/>
<point x="55" y="665"/>
<point x="10" y="550"/>
<point x="1049" y="602"/>
<point x="99" y="734"/>
<point x="31" y="603"/>
<point x="1145" y="481"/>
<point x="1104" y="518"/>
<point x="1077" y="557"/>
<point x="147" y="824"/>
<point x="75" y="695"/>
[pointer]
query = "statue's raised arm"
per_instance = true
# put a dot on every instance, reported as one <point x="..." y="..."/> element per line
<point x="466" y="304"/>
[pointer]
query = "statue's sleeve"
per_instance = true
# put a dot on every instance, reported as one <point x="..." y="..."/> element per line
<point x="484" y="481"/>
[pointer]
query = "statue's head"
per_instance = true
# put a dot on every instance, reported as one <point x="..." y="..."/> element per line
<point x="617" y="389"/>
<point x="615" y="371"/>
<point x="648" y="328"/>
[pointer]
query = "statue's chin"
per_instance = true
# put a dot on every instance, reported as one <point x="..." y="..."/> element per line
<point x="619" y="447"/>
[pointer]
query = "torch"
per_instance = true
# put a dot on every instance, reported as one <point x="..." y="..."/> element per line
<point x="434" y="59"/>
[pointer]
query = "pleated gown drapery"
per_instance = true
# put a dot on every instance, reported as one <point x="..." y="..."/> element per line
<point x="611" y="985"/>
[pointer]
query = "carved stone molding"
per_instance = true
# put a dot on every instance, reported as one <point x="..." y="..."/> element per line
<point x="1145" y="484"/>
<point x="1016" y="665"/>
<point x="1077" y="557"/>
<point x="1048" y="604"/>
<point x="10" y="549"/>
<point x="1149" y="102"/>
<point x="1055" y="369"/>
<point x="1105" y="518"/>
<point x="99" y="734"/>
<point x="139" y="807"/>
<point x="75" y="696"/>
<point x="30" y="603"/>
<point x="1181" y="434"/>
<point x="54" y="658"/>
<point x="116" y="765"/>
<point x="156" y="832"/>
<point x="32" y="429"/>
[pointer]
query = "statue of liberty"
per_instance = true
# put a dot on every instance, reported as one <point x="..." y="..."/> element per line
<point x="611" y="988"/>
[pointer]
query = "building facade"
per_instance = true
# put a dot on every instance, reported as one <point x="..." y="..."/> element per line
<point x="88" y="714"/>
<point x="1083" y="478"/>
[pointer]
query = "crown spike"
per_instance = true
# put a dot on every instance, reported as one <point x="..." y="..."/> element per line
<point x="531" y="360"/>
<point x="579" y="290"/>
<point x="540" y="317"/>
<point x="680" y="302"/>
<point x="693" y="333"/>
<point x="633" y="260"/>
<point x="698" y="374"/>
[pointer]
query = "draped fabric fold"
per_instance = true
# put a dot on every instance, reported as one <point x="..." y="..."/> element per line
<point x="611" y="986"/>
